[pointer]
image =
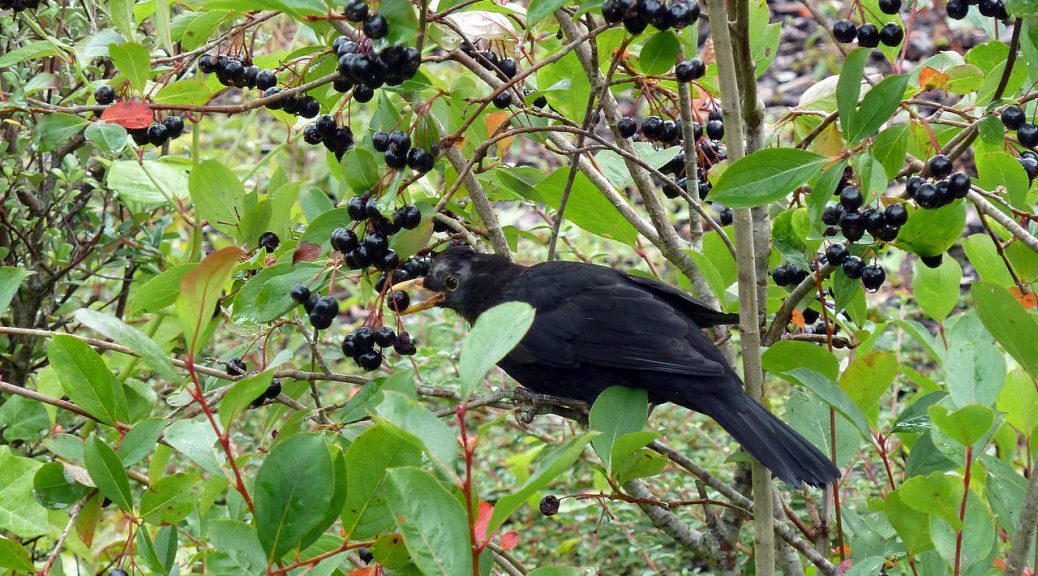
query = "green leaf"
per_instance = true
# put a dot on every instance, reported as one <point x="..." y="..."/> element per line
<point x="1008" y="321"/>
<point x="294" y="487"/>
<point x="140" y="440"/>
<point x="659" y="53"/>
<point x="54" y="488"/>
<point x="20" y="514"/>
<point x="550" y="469"/>
<point x="877" y="107"/>
<point x="889" y="149"/>
<point x="121" y="13"/>
<point x="975" y="372"/>
<point x="10" y="279"/>
<point x="158" y="292"/>
<point x="200" y="291"/>
<point x="1021" y="8"/>
<point x="23" y="419"/>
<point x="402" y="20"/>
<point x="787" y="355"/>
<point x="266" y="296"/>
<point x="1002" y="169"/>
<point x="867" y="378"/>
<point x="56" y="129"/>
<point x="196" y="440"/>
<point x="586" y="207"/>
<point x="414" y="423"/>
<point x="183" y="92"/>
<point x="932" y="232"/>
<point x="368" y="458"/>
<point x="217" y="194"/>
<point x="832" y="394"/>
<point x="493" y="336"/>
<point x="14" y="556"/>
<point x="848" y="88"/>
<point x="937" y="289"/>
<point x="132" y="338"/>
<point x="106" y="470"/>
<point x="967" y="425"/>
<point x="171" y="499"/>
<point x="110" y="138"/>
<point x="540" y="9"/>
<point x="982" y="254"/>
<point x="1019" y="401"/>
<point x="938" y="494"/>
<point x="162" y="24"/>
<point x="87" y="380"/>
<point x="148" y="183"/>
<point x="822" y="187"/>
<point x="766" y="176"/>
<point x="235" y="550"/>
<point x="809" y="415"/>
<point x="977" y="538"/>
<point x="321" y="227"/>
<point x="433" y="523"/>
<point x="617" y="411"/>
<point x="243" y="393"/>
<point x="30" y="51"/>
<point x="133" y="61"/>
<point x="915" y="417"/>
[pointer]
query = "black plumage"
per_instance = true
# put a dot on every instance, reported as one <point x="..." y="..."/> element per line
<point x="596" y="327"/>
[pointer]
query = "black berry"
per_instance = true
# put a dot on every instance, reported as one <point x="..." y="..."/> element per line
<point x="896" y="214"/>
<point x="1028" y="135"/>
<point x="868" y="35"/>
<point x="269" y="241"/>
<point x="890" y="6"/>
<point x="959" y="184"/>
<point x="399" y="301"/>
<point x="300" y="293"/>
<point x="853" y="267"/>
<point x="626" y="127"/>
<point x="356" y="10"/>
<point x="891" y="34"/>
<point x="940" y="166"/>
<point x="872" y="277"/>
<point x="384" y="336"/>
<point x="932" y="261"/>
<point x="1013" y="117"/>
<point x="104" y="95"/>
<point x="549" y="505"/>
<point x="851" y="198"/>
<point x="503" y="100"/>
<point x="375" y="26"/>
<point x="845" y="31"/>
<point x="835" y="254"/>
<point x="689" y="70"/>
<point x="957" y="9"/>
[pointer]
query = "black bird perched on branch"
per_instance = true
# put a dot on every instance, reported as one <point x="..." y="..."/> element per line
<point x="596" y="327"/>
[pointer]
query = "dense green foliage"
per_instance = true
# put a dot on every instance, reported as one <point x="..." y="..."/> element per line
<point x="171" y="172"/>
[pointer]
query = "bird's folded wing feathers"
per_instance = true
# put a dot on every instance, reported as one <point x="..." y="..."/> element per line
<point x="616" y="325"/>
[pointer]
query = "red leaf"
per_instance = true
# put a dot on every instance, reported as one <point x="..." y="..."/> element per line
<point x="129" y="115"/>
<point x="366" y="571"/>
<point x="485" y="510"/>
<point x="509" y="540"/>
<point x="306" y="252"/>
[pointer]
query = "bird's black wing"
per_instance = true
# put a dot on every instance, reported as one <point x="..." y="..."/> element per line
<point x="698" y="311"/>
<point x="590" y="314"/>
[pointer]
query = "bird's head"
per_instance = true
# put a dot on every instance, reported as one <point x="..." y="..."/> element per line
<point x="462" y="280"/>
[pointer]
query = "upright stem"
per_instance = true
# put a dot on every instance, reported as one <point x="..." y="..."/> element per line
<point x="962" y="510"/>
<point x="466" y="488"/>
<point x="746" y="262"/>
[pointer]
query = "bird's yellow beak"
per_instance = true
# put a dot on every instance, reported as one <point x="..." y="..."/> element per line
<point x="431" y="302"/>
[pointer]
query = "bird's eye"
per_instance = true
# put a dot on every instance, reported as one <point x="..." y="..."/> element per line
<point x="451" y="282"/>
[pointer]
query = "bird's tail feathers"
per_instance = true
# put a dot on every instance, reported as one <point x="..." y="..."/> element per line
<point x="789" y="456"/>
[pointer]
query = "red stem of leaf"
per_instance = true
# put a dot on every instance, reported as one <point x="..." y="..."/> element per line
<point x="466" y="489"/>
<point x="962" y="509"/>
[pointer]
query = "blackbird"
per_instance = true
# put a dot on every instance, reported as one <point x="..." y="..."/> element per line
<point x="597" y="327"/>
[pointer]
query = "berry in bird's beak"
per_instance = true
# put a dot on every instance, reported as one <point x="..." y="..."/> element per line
<point x="431" y="302"/>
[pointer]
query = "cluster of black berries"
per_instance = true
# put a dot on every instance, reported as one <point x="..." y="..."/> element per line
<point x="269" y="241"/>
<point x="361" y="345"/>
<point x="1014" y="119"/>
<point x="18" y="6"/>
<point x="337" y="139"/>
<point x="302" y="106"/>
<point x="237" y="72"/>
<point x="958" y="9"/>
<point x="414" y="267"/>
<point x="398" y="152"/>
<point x="504" y="66"/>
<point x="362" y="70"/>
<point x="636" y="15"/>
<point x="853" y="222"/>
<point x="159" y="133"/>
<point x="788" y="274"/>
<point x="104" y="94"/>
<point x="321" y="310"/>
<point x="867" y="35"/>
<point x="374" y="248"/>
<point x="947" y="186"/>
<point x="872" y="275"/>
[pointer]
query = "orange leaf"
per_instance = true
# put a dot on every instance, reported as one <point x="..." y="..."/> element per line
<point x="129" y="115"/>
<point x="1029" y="300"/>
<point x="365" y="571"/>
<point x="482" y="520"/>
<point x="798" y="319"/>
<point x="932" y="79"/>
<point x="494" y="121"/>
<point x="509" y="540"/>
